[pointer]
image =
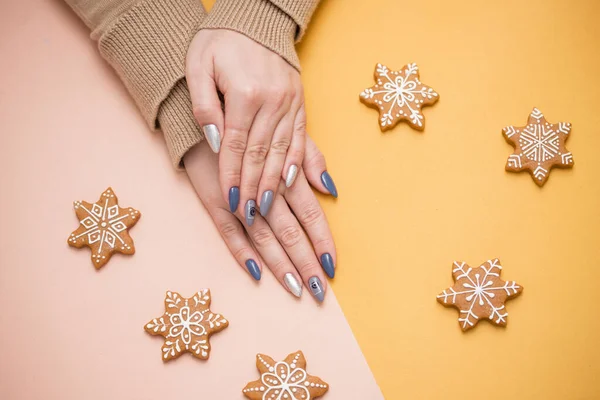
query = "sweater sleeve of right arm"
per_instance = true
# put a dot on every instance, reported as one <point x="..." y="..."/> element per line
<point x="146" y="42"/>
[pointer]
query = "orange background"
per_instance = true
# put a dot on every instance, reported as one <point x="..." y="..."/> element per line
<point x="410" y="203"/>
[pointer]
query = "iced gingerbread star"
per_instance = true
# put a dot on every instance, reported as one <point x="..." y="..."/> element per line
<point x="399" y="95"/>
<point x="186" y="325"/>
<point x="284" y="380"/>
<point x="539" y="146"/>
<point x="479" y="293"/>
<point x="103" y="227"/>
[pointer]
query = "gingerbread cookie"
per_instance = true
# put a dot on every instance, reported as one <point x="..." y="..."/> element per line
<point x="539" y="146"/>
<point x="103" y="227"/>
<point x="284" y="380"/>
<point x="479" y="293"/>
<point x="186" y="325"/>
<point x="399" y="95"/>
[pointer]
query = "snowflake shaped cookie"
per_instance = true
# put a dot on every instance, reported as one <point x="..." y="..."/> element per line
<point x="539" y="146"/>
<point x="479" y="293"/>
<point x="103" y="227"/>
<point x="399" y="95"/>
<point x="284" y="380"/>
<point x="186" y="325"/>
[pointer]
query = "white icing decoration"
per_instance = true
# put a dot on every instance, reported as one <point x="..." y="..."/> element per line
<point x="400" y="90"/>
<point x="479" y="291"/>
<point x="185" y="325"/>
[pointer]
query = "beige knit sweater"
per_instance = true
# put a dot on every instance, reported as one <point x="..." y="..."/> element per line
<point x="146" y="42"/>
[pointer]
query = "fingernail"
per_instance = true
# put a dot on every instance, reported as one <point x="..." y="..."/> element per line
<point x="327" y="264"/>
<point x="234" y="198"/>
<point x="328" y="183"/>
<point x="265" y="202"/>
<point x="253" y="269"/>
<point x="211" y="133"/>
<point x="291" y="175"/>
<point x="316" y="288"/>
<point x="292" y="284"/>
<point x="250" y="212"/>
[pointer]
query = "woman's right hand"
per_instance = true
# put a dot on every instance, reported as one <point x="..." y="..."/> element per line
<point x="292" y="239"/>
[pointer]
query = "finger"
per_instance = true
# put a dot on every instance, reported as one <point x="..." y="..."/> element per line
<point x="240" y="109"/>
<point x="232" y="232"/>
<point x="259" y="142"/>
<point x="201" y="167"/>
<point x="316" y="169"/>
<point x="295" y="154"/>
<point x="295" y="243"/>
<point x="271" y="175"/>
<point x="206" y="104"/>
<point x="308" y="211"/>
<point x="275" y="257"/>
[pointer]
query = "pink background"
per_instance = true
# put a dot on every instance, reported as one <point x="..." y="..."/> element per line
<point x="68" y="131"/>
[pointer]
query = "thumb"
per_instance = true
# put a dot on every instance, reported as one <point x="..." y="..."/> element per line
<point x="315" y="169"/>
<point x="206" y="103"/>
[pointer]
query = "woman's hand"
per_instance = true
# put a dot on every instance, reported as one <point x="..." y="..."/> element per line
<point x="262" y="124"/>
<point x="293" y="237"/>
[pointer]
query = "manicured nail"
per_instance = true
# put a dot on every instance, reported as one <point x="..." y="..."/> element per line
<point x="291" y="175"/>
<point x="253" y="269"/>
<point x="292" y="284"/>
<point x="265" y="202"/>
<point x="328" y="183"/>
<point x="327" y="264"/>
<point x="316" y="288"/>
<point x="250" y="212"/>
<point x="234" y="198"/>
<point x="211" y="133"/>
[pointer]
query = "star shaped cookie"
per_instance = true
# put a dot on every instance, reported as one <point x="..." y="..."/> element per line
<point x="186" y="325"/>
<point x="539" y="146"/>
<point x="284" y="380"/>
<point x="399" y="95"/>
<point x="103" y="227"/>
<point x="479" y="293"/>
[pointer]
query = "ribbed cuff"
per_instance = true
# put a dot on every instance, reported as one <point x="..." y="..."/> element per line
<point x="178" y="123"/>
<point x="147" y="46"/>
<point x="300" y="11"/>
<point x="260" y="20"/>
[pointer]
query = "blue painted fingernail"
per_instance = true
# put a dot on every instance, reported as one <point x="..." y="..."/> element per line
<point x="234" y="198"/>
<point x="265" y="202"/>
<point x="253" y="269"/>
<point x="327" y="264"/>
<point x="250" y="212"/>
<point x="316" y="288"/>
<point x="328" y="183"/>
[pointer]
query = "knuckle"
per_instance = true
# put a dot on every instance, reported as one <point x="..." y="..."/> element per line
<point x="316" y="159"/>
<point x="280" y="146"/>
<point x="277" y="96"/>
<point x="203" y="112"/>
<point x="306" y="267"/>
<point x="290" y="236"/>
<point x="323" y="243"/>
<point x="250" y="93"/>
<point x="278" y="267"/>
<point x="300" y="126"/>
<point x="257" y="153"/>
<point x="229" y="229"/>
<point x="263" y="237"/>
<point x="240" y="254"/>
<point x="236" y="146"/>
<point x="310" y="216"/>
<point x="232" y="175"/>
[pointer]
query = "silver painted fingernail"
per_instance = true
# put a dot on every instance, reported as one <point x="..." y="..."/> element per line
<point x="250" y="212"/>
<point x="211" y="133"/>
<point x="265" y="202"/>
<point x="291" y="175"/>
<point x="292" y="284"/>
<point x="316" y="288"/>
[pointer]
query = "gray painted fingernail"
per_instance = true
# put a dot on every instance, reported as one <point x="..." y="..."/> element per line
<point x="211" y="133"/>
<point x="234" y="198"/>
<point x="253" y="269"/>
<point x="265" y="202"/>
<point x="291" y="175"/>
<point x="316" y="288"/>
<point x="250" y="212"/>
<point x="328" y="183"/>
<point x="327" y="264"/>
<point x="292" y="284"/>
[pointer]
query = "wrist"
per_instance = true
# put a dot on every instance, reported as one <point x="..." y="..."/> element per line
<point x="261" y="21"/>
